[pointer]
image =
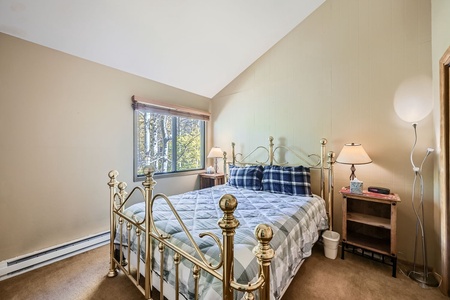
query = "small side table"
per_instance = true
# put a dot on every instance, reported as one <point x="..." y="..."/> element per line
<point x="209" y="180"/>
<point x="369" y="226"/>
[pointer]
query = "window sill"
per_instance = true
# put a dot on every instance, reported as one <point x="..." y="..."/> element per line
<point x="171" y="175"/>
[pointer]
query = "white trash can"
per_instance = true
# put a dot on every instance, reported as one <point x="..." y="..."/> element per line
<point x="330" y="243"/>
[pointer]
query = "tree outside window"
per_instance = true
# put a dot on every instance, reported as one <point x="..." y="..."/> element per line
<point x="169" y="141"/>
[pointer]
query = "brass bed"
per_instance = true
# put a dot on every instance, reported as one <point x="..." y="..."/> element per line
<point x="141" y="248"/>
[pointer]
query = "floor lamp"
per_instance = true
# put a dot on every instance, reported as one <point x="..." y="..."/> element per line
<point x="424" y="277"/>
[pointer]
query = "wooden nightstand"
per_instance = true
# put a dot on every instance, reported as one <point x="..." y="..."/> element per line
<point x="369" y="226"/>
<point x="209" y="180"/>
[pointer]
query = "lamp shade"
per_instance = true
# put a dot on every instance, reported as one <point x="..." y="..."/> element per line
<point x="215" y="152"/>
<point x="413" y="99"/>
<point x="353" y="154"/>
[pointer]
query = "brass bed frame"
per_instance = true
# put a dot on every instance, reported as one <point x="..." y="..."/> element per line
<point x="119" y="199"/>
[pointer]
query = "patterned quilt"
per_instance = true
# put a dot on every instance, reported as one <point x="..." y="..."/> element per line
<point x="295" y="221"/>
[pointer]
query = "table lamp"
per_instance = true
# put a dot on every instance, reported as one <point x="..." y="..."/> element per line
<point x="353" y="154"/>
<point x="215" y="153"/>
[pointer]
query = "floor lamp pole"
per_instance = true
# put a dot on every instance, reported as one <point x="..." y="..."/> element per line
<point x="425" y="278"/>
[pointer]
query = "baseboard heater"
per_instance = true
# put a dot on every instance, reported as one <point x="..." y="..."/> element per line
<point x="28" y="262"/>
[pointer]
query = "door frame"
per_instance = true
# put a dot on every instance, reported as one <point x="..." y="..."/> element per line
<point x="444" y="71"/>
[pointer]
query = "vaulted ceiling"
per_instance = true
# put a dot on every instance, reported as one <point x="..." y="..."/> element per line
<point x="197" y="46"/>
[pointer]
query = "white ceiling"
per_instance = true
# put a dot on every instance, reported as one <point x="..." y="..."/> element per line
<point x="197" y="46"/>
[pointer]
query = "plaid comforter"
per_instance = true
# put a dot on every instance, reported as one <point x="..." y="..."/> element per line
<point x="295" y="221"/>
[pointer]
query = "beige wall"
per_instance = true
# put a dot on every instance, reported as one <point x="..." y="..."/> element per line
<point x="335" y="76"/>
<point x="64" y="123"/>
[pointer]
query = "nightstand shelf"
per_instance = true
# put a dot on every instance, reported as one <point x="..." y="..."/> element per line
<point x="369" y="226"/>
<point x="369" y="220"/>
<point x="371" y="243"/>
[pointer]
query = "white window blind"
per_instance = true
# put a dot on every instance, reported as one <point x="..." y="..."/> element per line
<point x="169" y="109"/>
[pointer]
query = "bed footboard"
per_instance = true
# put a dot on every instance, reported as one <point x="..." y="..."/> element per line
<point x="155" y="239"/>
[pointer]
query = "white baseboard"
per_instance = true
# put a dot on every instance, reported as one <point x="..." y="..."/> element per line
<point x="28" y="262"/>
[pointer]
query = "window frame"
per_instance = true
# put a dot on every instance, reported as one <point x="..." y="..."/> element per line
<point x="140" y="104"/>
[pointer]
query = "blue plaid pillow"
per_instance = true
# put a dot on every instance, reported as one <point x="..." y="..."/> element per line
<point x="246" y="177"/>
<point x="287" y="180"/>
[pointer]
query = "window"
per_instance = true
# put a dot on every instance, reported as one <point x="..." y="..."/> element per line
<point x="170" y="139"/>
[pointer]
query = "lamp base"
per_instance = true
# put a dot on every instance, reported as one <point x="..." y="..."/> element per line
<point x="216" y="167"/>
<point x="424" y="281"/>
<point x="352" y="175"/>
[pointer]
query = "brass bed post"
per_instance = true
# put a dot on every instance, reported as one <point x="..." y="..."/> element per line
<point x="228" y="223"/>
<point x="330" y="162"/>
<point x="323" y="143"/>
<point x="233" y="153"/>
<point x="112" y="191"/>
<point x="264" y="253"/>
<point x="225" y="165"/>
<point x="271" y="153"/>
<point x="123" y="194"/>
<point x="148" y="184"/>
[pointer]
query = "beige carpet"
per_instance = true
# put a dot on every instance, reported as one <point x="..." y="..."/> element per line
<point x="84" y="277"/>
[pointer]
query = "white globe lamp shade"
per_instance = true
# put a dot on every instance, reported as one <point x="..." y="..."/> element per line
<point x="413" y="99"/>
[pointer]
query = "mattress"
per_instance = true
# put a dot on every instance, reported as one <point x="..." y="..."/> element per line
<point x="296" y="222"/>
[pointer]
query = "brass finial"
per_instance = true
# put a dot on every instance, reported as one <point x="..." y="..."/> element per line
<point x="228" y="203"/>
<point x="148" y="172"/>
<point x="263" y="251"/>
<point x="264" y="232"/>
<point x="122" y="185"/>
<point x="112" y="178"/>
<point x="113" y="174"/>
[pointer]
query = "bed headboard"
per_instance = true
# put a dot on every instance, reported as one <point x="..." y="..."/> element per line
<point x="321" y="165"/>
